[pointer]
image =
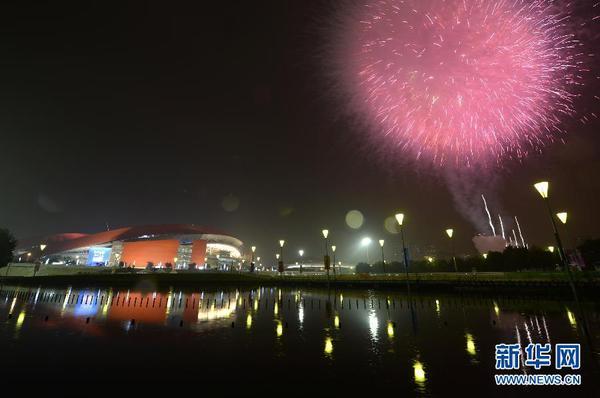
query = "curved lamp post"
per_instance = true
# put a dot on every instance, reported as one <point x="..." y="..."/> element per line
<point x="325" y="233"/>
<point x="381" y="242"/>
<point x="400" y="220"/>
<point x="253" y="248"/>
<point x="333" y="247"/>
<point x="450" y="233"/>
<point x="280" y="258"/>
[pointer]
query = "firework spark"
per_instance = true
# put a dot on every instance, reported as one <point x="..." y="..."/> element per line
<point x="485" y="206"/>
<point x="465" y="83"/>
<point x="520" y="233"/>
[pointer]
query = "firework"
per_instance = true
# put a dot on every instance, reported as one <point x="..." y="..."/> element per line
<point x="501" y="226"/>
<point x="461" y="82"/>
<point x="489" y="215"/>
<point x="520" y="232"/>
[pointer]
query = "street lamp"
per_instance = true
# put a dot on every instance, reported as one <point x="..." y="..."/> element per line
<point x="450" y="233"/>
<point x="400" y="219"/>
<point x="543" y="187"/>
<point x="562" y="216"/>
<point x="325" y="233"/>
<point x="365" y="242"/>
<point x="301" y="253"/>
<point x="381" y="242"/>
<point x="253" y="248"/>
<point x="333" y="251"/>
<point x="280" y="258"/>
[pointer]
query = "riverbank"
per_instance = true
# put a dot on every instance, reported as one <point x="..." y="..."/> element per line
<point x="549" y="283"/>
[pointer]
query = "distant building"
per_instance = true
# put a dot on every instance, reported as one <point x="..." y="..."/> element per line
<point x="176" y="244"/>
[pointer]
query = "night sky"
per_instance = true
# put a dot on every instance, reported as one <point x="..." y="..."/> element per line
<point x="221" y="114"/>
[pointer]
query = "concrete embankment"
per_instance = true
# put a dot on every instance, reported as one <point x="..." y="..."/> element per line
<point x="544" y="283"/>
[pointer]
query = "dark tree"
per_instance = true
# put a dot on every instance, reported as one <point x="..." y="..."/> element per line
<point x="590" y="251"/>
<point x="8" y="243"/>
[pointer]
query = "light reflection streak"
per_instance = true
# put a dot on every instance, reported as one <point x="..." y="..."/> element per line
<point x="419" y="373"/>
<point x="279" y="328"/>
<point x="373" y="324"/>
<point x="390" y="329"/>
<point x="12" y="305"/>
<point x="328" y="349"/>
<point x="471" y="349"/>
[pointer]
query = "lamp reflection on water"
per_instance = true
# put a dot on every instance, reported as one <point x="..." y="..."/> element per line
<point x="249" y="321"/>
<point x="471" y="349"/>
<point x="279" y="329"/>
<point x="419" y="372"/>
<point x="390" y="329"/>
<point x="437" y="306"/>
<point x="328" y="347"/>
<point x="572" y="318"/>
<point x="336" y="321"/>
<point x="20" y="321"/>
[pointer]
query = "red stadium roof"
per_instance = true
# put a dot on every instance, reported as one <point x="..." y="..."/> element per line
<point x="64" y="242"/>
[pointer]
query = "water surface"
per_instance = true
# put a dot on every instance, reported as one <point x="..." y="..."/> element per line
<point x="419" y="344"/>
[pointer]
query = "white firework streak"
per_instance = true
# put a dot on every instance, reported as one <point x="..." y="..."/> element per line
<point x="489" y="215"/>
<point x="501" y="226"/>
<point x="515" y="236"/>
<point x="520" y="233"/>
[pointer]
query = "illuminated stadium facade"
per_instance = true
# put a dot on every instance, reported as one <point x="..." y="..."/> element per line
<point x="182" y="246"/>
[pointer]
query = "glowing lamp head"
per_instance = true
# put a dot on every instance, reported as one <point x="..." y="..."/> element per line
<point x="253" y="249"/>
<point x="42" y="247"/>
<point x="366" y="241"/>
<point x="277" y="256"/>
<point x="562" y="216"/>
<point x="281" y="243"/>
<point x="325" y="233"/>
<point x="301" y="252"/>
<point x="485" y="256"/>
<point x="333" y="248"/>
<point x="551" y="249"/>
<point x="381" y="242"/>
<point x="542" y="188"/>
<point x="400" y="218"/>
<point x="450" y="232"/>
<point x="175" y="259"/>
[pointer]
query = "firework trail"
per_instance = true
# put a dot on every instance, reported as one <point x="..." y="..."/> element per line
<point x="489" y="215"/>
<point x="464" y="83"/>
<point x="501" y="226"/>
<point x="515" y="237"/>
<point x="520" y="233"/>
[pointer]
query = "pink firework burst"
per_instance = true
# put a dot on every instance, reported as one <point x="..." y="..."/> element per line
<point x="461" y="82"/>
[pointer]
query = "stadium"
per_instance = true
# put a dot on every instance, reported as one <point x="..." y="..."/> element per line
<point x="160" y="246"/>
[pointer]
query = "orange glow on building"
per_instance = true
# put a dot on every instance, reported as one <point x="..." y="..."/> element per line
<point x="198" y="251"/>
<point x="156" y="251"/>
